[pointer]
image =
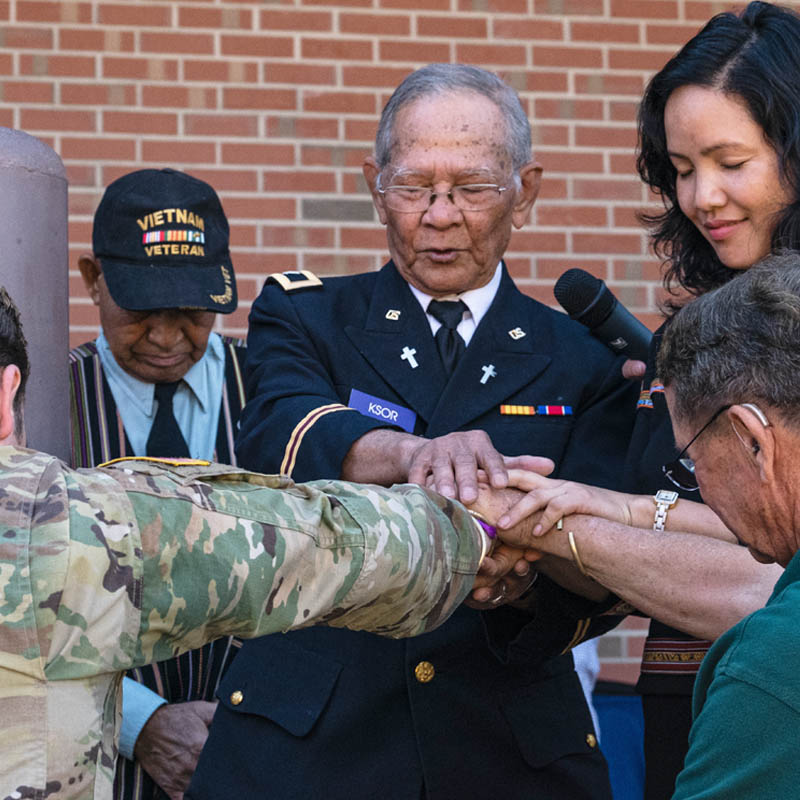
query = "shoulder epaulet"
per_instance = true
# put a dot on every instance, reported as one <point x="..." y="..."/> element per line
<point x="170" y="462"/>
<point x="294" y="279"/>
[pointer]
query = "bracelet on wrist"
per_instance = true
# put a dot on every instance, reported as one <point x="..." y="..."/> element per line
<point x="487" y="533"/>
<point x="491" y="531"/>
<point x="575" y="555"/>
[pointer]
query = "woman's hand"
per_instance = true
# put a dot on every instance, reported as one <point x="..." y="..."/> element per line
<point x="557" y="499"/>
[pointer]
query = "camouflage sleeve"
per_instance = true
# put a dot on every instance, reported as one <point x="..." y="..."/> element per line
<point x="231" y="552"/>
<point x="104" y="569"/>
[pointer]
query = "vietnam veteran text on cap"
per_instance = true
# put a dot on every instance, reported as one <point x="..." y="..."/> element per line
<point x="162" y="240"/>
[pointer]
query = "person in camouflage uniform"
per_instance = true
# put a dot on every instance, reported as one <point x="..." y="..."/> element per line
<point x="105" y="569"/>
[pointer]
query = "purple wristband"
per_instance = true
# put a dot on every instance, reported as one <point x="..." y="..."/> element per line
<point x="491" y="531"/>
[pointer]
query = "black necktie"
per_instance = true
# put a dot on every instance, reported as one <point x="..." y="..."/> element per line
<point x="165" y="437"/>
<point x="451" y="345"/>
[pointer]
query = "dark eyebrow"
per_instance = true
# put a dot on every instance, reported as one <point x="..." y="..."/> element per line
<point x="707" y="151"/>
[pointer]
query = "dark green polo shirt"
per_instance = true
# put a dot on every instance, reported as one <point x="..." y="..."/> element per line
<point x="745" y="740"/>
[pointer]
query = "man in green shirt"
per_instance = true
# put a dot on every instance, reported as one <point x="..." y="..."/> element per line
<point x="729" y="362"/>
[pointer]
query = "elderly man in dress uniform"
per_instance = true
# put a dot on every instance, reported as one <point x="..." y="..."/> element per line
<point x="425" y="371"/>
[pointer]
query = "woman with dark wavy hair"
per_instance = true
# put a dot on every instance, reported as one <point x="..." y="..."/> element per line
<point x="719" y="142"/>
<point x="749" y="66"/>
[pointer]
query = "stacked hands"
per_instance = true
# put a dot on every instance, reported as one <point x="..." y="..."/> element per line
<point x="466" y="467"/>
<point x="539" y="512"/>
<point x="515" y="495"/>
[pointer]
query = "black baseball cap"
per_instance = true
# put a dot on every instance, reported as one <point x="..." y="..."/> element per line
<point x="162" y="240"/>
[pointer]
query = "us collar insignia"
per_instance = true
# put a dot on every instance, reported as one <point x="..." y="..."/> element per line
<point x="516" y="333"/>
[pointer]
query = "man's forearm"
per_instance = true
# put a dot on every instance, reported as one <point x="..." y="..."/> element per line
<point x="381" y="457"/>
<point x="564" y="572"/>
<point x="697" y="584"/>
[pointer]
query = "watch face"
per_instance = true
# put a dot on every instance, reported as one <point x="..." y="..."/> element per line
<point x="666" y="496"/>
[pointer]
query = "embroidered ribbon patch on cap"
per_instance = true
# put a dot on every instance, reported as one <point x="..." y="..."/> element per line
<point x="173" y="236"/>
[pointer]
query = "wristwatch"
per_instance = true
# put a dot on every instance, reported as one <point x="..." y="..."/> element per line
<point x="664" y="500"/>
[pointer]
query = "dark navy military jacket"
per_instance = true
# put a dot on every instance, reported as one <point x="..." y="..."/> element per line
<point x="484" y="705"/>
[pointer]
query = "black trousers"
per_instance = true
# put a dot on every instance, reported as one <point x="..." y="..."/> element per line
<point x="667" y="719"/>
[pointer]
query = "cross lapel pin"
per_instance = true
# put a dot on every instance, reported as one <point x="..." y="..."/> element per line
<point x="408" y="355"/>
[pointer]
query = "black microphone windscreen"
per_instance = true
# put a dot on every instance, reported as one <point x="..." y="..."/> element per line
<point x="584" y="297"/>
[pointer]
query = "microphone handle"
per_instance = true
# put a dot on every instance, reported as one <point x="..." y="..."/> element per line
<point x="624" y="334"/>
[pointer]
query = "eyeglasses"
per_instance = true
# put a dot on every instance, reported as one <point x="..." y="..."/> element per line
<point x="467" y="197"/>
<point x="681" y="470"/>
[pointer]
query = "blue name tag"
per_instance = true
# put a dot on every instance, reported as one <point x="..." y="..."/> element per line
<point x="383" y="410"/>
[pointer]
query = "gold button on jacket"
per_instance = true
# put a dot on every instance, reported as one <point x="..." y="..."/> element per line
<point x="424" y="671"/>
<point x="237" y="697"/>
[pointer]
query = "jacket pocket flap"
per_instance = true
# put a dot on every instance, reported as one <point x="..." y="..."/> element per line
<point x="556" y="708"/>
<point x="283" y="682"/>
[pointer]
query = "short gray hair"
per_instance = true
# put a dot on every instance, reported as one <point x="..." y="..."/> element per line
<point x="444" y="78"/>
<point x="738" y="344"/>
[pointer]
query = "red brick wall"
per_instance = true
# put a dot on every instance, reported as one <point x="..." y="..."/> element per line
<point x="275" y="104"/>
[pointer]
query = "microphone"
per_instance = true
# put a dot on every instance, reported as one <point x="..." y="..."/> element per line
<point x="589" y="301"/>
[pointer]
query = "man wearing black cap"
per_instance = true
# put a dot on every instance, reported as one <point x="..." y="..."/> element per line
<point x="158" y="382"/>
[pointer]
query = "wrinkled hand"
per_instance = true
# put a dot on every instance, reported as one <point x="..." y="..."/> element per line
<point x="503" y="560"/>
<point x="501" y="584"/>
<point x="449" y="464"/>
<point x="170" y="743"/>
<point x="632" y="369"/>
<point x="557" y="499"/>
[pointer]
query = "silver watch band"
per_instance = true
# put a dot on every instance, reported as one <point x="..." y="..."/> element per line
<point x="661" y="516"/>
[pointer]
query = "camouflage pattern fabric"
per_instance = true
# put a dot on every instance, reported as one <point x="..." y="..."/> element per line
<point x="105" y="569"/>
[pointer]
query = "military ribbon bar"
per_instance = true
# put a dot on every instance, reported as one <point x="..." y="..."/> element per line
<point x="529" y="411"/>
<point x="554" y="411"/>
<point x="521" y="410"/>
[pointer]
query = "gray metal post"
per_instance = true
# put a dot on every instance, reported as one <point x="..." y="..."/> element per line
<point x="34" y="263"/>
